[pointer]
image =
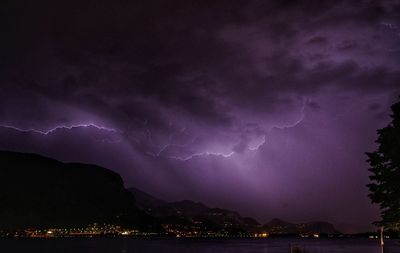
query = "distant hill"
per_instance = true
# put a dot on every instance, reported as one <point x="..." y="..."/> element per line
<point x="320" y="227"/>
<point x="278" y="226"/>
<point x="39" y="192"/>
<point x="187" y="213"/>
<point x="36" y="191"/>
<point x="279" y="223"/>
<point x="146" y="200"/>
<point x="281" y="227"/>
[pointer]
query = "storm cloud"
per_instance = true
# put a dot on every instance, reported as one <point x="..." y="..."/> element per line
<point x="266" y="107"/>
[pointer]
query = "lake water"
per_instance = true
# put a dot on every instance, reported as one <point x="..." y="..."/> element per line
<point x="134" y="245"/>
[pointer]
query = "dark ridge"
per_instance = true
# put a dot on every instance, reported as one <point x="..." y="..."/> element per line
<point x="36" y="191"/>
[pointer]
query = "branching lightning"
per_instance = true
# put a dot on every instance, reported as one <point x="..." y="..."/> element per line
<point x="49" y="131"/>
<point x="202" y="154"/>
<point x="160" y="149"/>
<point x="294" y="124"/>
<point x="258" y="145"/>
<point x="297" y="122"/>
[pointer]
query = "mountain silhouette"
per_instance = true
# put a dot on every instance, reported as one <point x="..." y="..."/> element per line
<point x="36" y="191"/>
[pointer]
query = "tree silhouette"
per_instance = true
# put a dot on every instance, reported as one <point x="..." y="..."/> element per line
<point x="385" y="167"/>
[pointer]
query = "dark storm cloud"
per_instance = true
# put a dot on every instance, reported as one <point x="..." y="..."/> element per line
<point x="374" y="107"/>
<point x="135" y="49"/>
<point x="199" y="89"/>
<point x="319" y="40"/>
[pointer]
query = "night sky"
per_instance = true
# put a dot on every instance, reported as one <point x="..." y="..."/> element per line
<point x="264" y="107"/>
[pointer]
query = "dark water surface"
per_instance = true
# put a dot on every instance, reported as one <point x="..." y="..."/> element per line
<point x="134" y="245"/>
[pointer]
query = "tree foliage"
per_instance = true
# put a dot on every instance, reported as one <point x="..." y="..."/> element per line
<point x="385" y="167"/>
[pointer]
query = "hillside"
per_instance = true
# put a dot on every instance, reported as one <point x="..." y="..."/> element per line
<point x="194" y="215"/>
<point x="36" y="191"/>
<point x="39" y="192"/>
<point x="187" y="213"/>
<point x="278" y="226"/>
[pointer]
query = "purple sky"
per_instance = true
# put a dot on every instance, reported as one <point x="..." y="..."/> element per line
<point x="265" y="107"/>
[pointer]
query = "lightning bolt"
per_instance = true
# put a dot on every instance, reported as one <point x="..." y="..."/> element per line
<point x="170" y="143"/>
<point x="162" y="148"/>
<point x="297" y="122"/>
<point x="49" y="131"/>
<point x="258" y="145"/>
<point x="202" y="154"/>
<point x="294" y="124"/>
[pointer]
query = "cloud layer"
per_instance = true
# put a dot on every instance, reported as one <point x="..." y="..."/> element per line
<point x="262" y="106"/>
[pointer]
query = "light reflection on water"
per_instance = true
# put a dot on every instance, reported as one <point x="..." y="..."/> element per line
<point x="134" y="245"/>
